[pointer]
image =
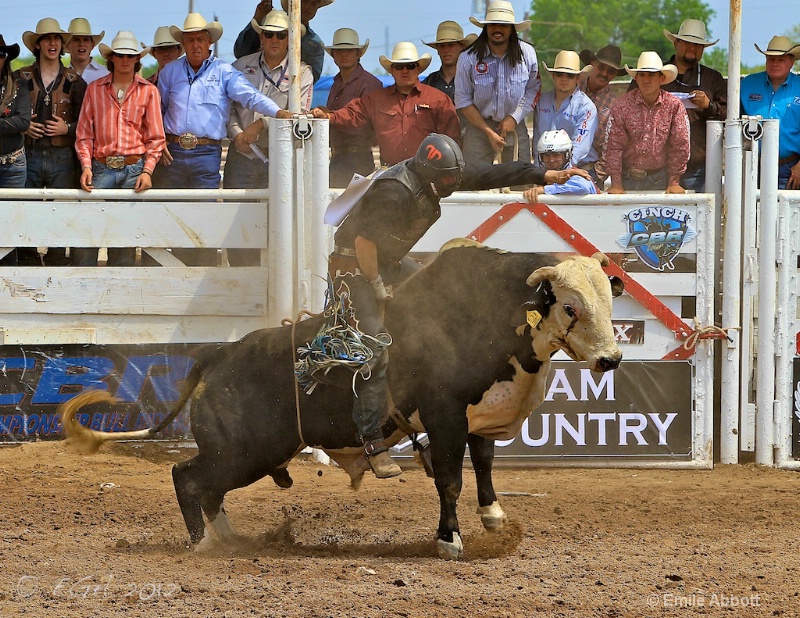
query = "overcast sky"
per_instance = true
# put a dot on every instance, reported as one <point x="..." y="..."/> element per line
<point x="384" y="23"/>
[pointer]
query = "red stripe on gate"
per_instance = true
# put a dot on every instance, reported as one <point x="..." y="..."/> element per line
<point x="578" y="242"/>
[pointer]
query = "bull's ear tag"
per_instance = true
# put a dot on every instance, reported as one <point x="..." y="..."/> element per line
<point x="533" y="317"/>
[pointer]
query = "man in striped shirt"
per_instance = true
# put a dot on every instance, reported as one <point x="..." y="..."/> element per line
<point x="120" y="133"/>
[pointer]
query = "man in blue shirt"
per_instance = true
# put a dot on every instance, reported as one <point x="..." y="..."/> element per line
<point x="555" y="152"/>
<point x="775" y="93"/>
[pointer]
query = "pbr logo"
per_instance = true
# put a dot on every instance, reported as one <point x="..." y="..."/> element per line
<point x="657" y="234"/>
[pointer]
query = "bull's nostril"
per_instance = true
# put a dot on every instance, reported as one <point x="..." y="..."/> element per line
<point x="607" y="364"/>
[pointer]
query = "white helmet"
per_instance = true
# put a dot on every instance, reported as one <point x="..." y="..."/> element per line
<point x="554" y="141"/>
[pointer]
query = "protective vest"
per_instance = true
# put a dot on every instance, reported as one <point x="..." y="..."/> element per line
<point x="60" y="100"/>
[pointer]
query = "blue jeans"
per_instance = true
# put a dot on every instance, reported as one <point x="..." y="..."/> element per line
<point x="106" y="178"/>
<point x="13" y="175"/>
<point x="655" y="180"/>
<point x="197" y="168"/>
<point x="784" y="171"/>
<point x="694" y="180"/>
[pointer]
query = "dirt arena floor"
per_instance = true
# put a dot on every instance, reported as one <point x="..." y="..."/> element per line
<point x="102" y="536"/>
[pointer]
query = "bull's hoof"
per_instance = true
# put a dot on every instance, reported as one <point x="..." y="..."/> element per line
<point x="282" y="478"/>
<point x="206" y="544"/>
<point x="492" y="517"/>
<point x="450" y="551"/>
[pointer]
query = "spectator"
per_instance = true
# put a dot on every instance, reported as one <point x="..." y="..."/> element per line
<point x="450" y="42"/>
<point x="497" y="85"/>
<point x="15" y="117"/>
<point x="402" y="114"/>
<point x="775" y="93"/>
<point x="311" y="46"/>
<point x="555" y="153"/>
<point x="707" y="90"/>
<point x="648" y="140"/>
<point x="120" y="134"/>
<point x="164" y="49"/>
<point x="606" y="65"/>
<point x="80" y="49"/>
<point x="351" y="148"/>
<point x="267" y="72"/>
<point x="567" y="107"/>
<point x="56" y="95"/>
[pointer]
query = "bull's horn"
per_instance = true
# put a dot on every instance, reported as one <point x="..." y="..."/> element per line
<point x="459" y="242"/>
<point x="602" y="258"/>
<point x="540" y="274"/>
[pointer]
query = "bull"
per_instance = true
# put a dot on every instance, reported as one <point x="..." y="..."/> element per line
<point x="473" y="333"/>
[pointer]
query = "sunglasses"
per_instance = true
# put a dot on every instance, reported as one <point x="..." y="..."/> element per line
<point x="281" y="35"/>
<point x="405" y="65"/>
<point x="3" y="55"/>
<point x="560" y="74"/>
<point x="118" y="55"/>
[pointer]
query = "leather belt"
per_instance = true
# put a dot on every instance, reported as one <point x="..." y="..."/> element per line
<point x="188" y="141"/>
<point x="345" y="251"/>
<point x="791" y="159"/>
<point x="117" y="162"/>
<point x="350" y="150"/>
<point x="11" y="157"/>
<point x="637" y="174"/>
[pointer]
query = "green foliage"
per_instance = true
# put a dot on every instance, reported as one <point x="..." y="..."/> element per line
<point x="633" y="25"/>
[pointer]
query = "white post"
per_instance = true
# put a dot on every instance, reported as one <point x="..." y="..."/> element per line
<point x="734" y="58"/>
<point x="321" y="234"/>
<point x="714" y="132"/>
<point x="731" y="285"/>
<point x="767" y="281"/>
<point x="280" y="283"/>
<point x="785" y="342"/>
<point x="294" y="56"/>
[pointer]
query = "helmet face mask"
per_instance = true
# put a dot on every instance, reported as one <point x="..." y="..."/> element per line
<point x="440" y="162"/>
<point x="554" y="142"/>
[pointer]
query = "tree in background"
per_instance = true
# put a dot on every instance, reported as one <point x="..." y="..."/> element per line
<point x="633" y="25"/>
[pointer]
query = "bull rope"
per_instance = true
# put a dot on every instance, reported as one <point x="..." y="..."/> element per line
<point x="294" y="362"/>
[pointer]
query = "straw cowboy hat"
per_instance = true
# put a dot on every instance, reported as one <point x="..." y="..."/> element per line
<point x="650" y="62"/>
<point x="275" y="21"/>
<point x="568" y="62"/>
<point x="124" y="43"/>
<point x="406" y="52"/>
<point x="162" y="38"/>
<point x="691" y="31"/>
<point x="451" y="32"/>
<point x="610" y="55"/>
<point x="48" y="25"/>
<point x="195" y="22"/>
<point x="501" y="12"/>
<point x="80" y="27"/>
<point x="11" y="51"/>
<point x="347" y="38"/>
<point x="285" y="4"/>
<point x="779" y="46"/>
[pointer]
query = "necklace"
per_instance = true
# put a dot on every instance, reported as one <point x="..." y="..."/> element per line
<point x="47" y="92"/>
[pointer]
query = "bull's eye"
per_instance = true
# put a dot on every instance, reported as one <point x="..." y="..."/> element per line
<point x="569" y="311"/>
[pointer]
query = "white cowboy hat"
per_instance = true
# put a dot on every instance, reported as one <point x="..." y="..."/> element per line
<point x="80" y="27"/>
<point x="778" y="46"/>
<point x="275" y="21"/>
<point x="124" y="43"/>
<point x="501" y="12"/>
<point x="195" y="22"/>
<point x="650" y="62"/>
<point x="48" y="25"/>
<point x="347" y="38"/>
<point x="450" y="32"/>
<point x="568" y="62"/>
<point x="691" y="31"/>
<point x="285" y="4"/>
<point x="163" y="38"/>
<point x="406" y="52"/>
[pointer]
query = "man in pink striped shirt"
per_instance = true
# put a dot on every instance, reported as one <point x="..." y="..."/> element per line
<point x="120" y="133"/>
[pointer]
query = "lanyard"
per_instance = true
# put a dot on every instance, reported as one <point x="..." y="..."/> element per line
<point x="698" y="79"/>
<point x="266" y="74"/>
<point x="203" y="67"/>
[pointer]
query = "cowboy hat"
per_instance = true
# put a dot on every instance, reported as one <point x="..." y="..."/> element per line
<point x="449" y="32"/>
<point x="124" y="43"/>
<point x="650" y="62"/>
<point x="80" y="27"/>
<point x="195" y="22"/>
<point x="568" y="62"/>
<point x="610" y="55"/>
<point x="162" y="38"/>
<point x="285" y="4"/>
<point x="691" y="31"/>
<point x="779" y="46"/>
<point x="406" y="52"/>
<point x="11" y="51"/>
<point x="48" y="25"/>
<point x="501" y="12"/>
<point x="347" y="38"/>
<point x="275" y="21"/>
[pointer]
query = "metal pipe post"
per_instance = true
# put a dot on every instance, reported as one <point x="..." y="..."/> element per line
<point x="321" y="238"/>
<point x="734" y="58"/>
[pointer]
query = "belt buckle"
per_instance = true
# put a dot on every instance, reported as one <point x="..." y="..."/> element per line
<point x="187" y="141"/>
<point x="637" y="174"/>
<point x="115" y="162"/>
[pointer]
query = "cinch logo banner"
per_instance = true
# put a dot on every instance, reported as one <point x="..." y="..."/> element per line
<point x="146" y="379"/>
<point x="657" y="234"/>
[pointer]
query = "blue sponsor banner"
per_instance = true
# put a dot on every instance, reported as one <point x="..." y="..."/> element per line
<point x="146" y="379"/>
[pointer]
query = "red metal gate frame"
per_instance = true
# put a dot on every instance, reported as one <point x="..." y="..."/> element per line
<point x="578" y="242"/>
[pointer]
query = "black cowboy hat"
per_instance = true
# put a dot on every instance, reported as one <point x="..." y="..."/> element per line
<point x="12" y="51"/>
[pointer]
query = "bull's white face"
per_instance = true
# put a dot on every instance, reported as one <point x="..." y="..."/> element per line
<point x="580" y="320"/>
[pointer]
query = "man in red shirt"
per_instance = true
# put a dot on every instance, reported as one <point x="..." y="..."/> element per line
<point x="648" y="139"/>
<point x="120" y="133"/>
<point x="402" y="114"/>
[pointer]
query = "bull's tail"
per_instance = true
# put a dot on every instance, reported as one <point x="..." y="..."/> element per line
<point x="89" y="440"/>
